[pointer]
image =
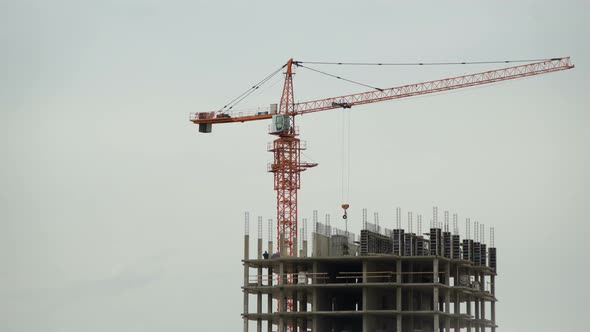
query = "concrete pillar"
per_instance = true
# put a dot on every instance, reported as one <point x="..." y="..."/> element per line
<point x="314" y="300"/>
<point x="457" y="298"/>
<point x="269" y="300"/>
<point x="468" y="305"/>
<point x="293" y="322"/>
<point x="436" y="323"/>
<point x="448" y="297"/>
<point x="365" y="297"/>
<point x="493" y="303"/>
<point x="270" y="282"/>
<point x="303" y="308"/>
<point x="476" y="303"/>
<point x="398" y="299"/>
<point x="483" y="301"/>
<point x="435" y="304"/>
<point x="258" y="293"/>
<point x="435" y="274"/>
<point x="246" y="271"/>
<point x="259" y="248"/>
<point x="410" y="319"/>
<point x="457" y="312"/>
<point x="304" y="249"/>
<point x="281" y="299"/>
<point x="281" y="327"/>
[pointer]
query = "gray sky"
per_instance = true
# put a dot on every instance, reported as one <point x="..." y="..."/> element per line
<point x="116" y="215"/>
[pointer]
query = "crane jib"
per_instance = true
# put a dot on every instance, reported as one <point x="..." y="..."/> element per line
<point x="206" y="119"/>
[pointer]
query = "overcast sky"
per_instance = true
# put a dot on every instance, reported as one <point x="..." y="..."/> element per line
<point x="117" y="215"/>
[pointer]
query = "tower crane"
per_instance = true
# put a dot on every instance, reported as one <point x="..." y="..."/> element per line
<point x="286" y="148"/>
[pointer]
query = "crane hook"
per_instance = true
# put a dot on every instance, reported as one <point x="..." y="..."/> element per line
<point x="345" y="207"/>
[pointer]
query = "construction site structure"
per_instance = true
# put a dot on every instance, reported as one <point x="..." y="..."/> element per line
<point x="385" y="280"/>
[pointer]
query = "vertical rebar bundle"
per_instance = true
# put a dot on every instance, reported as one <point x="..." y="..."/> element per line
<point x="376" y="219"/>
<point x="419" y="225"/>
<point x="246" y="223"/>
<point x="434" y="217"/>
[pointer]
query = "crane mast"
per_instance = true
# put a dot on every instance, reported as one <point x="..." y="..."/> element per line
<point x="287" y="167"/>
<point x="286" y="148"/>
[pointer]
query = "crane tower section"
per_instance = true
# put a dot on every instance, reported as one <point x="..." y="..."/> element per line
<point x="287" y="167"/>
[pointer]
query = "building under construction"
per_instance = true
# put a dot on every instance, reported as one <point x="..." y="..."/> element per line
<point x="383" y="280"/>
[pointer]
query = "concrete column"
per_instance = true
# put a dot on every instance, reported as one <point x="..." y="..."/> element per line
<point x="457" y="298"/>
<point x="476" y="303"/>
<point x="258" y="293"/>
<point x="483" y="301"/>
<point x="493" y="303"/>
<point x="398" y="299"/>
<point x="448" y="297"/>
<point x="269" y="300"/>
<point x="314" y="300"/>
<point x="259" y="249"/>
<point x="281" y="299"/>
<point x="303" y="308"/>
<point x="304" y="249"/>
<point x="435" y="275"/>
<point x="270" y="282"/>
<point x="457" y="312"/>
<point x="436" y="323"/>
<point x="365" y="297"/>
<point x="435" y="304"/>
<point x="281" y="327"/>
<point x="246" y="271"/>
<point x="410" y="319"/>
<point x="468" y="305"/>
<point x="293" y="321"/>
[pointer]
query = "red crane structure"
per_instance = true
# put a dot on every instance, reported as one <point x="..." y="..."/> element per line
<point x="286" y="148"/>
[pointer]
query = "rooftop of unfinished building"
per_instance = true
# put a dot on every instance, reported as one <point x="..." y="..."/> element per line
<point x="449" y="222"/>
<point x="377" y="243"/>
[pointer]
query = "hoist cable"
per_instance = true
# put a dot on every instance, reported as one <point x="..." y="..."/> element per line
<point x="345" y="157"/>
